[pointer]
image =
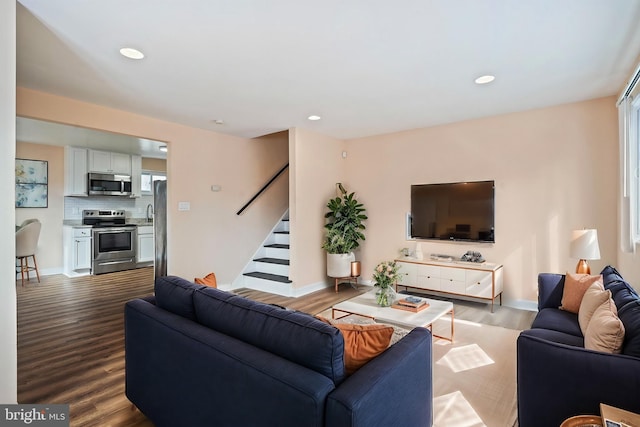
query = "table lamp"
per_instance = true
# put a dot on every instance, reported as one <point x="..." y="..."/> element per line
<point x="584" y="246"/>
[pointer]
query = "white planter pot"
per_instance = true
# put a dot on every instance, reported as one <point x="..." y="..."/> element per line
<point x="339" y="265"/>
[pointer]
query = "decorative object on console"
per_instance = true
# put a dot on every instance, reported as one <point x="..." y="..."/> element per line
<point x="385" y="275"/>
<point x="584" y="246"/>
<point x="418" y="251"/>
<point x="472" y="256"/>
<point x="344" y="232"/>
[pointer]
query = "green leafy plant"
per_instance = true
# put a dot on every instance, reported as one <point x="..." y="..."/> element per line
<point x="345" y="224"/>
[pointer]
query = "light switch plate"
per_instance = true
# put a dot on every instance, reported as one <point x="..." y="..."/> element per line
<point x="184" y="206"/>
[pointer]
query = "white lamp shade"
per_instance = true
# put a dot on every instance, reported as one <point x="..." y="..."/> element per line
<point x="584" y="244"/>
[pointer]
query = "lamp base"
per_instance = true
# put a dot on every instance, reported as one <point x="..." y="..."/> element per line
<point x="583" y="267"/>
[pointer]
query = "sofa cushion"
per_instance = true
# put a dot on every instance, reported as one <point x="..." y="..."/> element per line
<point x="557" y="320"/>
<point x="605" y="331"/>
<point x="175" y="294"/>
<point x="621" y="291"/>
<point x="593" y="298"/>
<point x="555" y="336"/>
<point x="575" y="285"/>
<point x="630" y="317"/>
<point x="293" y="335"/>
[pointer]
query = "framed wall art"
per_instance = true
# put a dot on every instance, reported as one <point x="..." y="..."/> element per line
<point x="32" y="183"/>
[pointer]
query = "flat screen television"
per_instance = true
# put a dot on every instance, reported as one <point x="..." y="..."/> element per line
<point x="459" y="211"/>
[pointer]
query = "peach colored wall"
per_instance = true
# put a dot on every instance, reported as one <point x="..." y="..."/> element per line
<point x="8" y="329"/>
<point x="555" y="170"/>
<point x="315" y="167"/>
<point x="210" y="236"/>
<point x="49" y="254"/>
<point x="152" y="164"/>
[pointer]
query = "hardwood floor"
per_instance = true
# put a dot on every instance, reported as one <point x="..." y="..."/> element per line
<point x="71" y="339"/>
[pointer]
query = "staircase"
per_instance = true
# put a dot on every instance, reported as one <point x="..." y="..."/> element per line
<point x="269" y="269"/>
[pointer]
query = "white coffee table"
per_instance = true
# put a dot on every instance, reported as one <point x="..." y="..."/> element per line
<point x="365" y="305"/>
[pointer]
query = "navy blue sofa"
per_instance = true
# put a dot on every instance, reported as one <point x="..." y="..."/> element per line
<point x="559" y="378"/>
<point x="199" y="356"/>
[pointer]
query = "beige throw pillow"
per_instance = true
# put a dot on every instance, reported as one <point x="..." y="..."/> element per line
<point x="575" y="285"/>
<point x="605" y="331"/>
<point x="593" y="298"/>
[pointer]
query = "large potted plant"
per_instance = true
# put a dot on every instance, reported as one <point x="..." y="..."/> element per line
<point x="344" y="231"/>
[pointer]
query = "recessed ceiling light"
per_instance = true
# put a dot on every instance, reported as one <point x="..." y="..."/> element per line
<point x="163" y="148"/>
<point x="218" y="121"/>
<point x="314" y="117"/>
<point x="131" y="53"/>
<point x="483" y="80"/>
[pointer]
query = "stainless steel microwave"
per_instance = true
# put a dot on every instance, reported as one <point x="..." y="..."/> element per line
<point x="107" y="184"/>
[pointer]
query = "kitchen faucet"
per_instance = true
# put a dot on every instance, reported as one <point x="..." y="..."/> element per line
<point x="149" y="212"/>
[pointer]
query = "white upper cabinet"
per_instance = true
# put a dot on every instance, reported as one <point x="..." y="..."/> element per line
<point x="75" y="171"/>
<point x="136" y="175"/>
<point x="106" y="162"/>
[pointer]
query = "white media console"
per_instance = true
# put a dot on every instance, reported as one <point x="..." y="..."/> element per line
<point x="476" y="280"/>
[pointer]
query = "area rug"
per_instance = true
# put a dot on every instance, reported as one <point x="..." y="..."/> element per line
<point x="474" y="378"/>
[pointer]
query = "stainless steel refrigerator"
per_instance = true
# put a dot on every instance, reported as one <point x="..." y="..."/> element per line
<point x="160" y="227"/>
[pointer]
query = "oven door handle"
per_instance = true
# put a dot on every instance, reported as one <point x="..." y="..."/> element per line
<point x="115" y="230"/>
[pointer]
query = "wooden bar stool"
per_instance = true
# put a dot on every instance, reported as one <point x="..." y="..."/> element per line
<point x="26" y="244"/>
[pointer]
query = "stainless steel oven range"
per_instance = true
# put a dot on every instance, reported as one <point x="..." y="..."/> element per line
<point x="113" y="240"/>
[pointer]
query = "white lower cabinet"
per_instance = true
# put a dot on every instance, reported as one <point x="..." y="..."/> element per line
<point x="146" y="249"/>
<point x="77" y="250"/>
<point x="470" y="280"/>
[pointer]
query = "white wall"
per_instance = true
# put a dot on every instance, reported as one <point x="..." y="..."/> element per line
<point x="555" y="170"/>
<point x="8" y="332"/>
<point x="315" y="167"/>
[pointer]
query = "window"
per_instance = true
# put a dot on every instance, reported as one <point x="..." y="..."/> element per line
<point x="146" y="182"/>
<point x="629" y="116"/>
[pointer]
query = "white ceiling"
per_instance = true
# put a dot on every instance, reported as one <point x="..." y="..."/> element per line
<point x="366" y="66"/>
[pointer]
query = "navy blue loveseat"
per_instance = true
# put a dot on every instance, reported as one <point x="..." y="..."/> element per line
<point x="198" y="356"/>
<point x="559" y="378"/>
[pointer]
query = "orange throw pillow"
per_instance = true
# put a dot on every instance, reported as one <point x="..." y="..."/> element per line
<point x="208" y="280"/>
<point x="575" y="285"/>
<point x="362" y="343"/>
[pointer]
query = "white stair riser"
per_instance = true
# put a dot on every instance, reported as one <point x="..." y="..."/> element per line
<point x="267" y="267"/>
<point x="282" y="239"/>
<point x="270" y="286"/>
<point x="276" y="253"/>
<point x="284" y="226"/>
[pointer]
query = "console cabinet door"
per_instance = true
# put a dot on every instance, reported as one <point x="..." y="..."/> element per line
<point x="407" y="272"/>
<point x="479" y="283"/>
<point x="428" y="277"/>
<point x="452" y="280"/>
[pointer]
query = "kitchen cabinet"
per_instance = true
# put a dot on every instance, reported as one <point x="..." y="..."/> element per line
<point x="77" y="250"/>
<point x="483" y="281"/>
<point x="75" y="171"/>
<point x="107" y="162"/>
<point x="146" y="249"/>
<point x="136" y="175"/>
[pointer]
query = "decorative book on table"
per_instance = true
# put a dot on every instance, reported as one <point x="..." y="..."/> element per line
<point x="411" y="304"/>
